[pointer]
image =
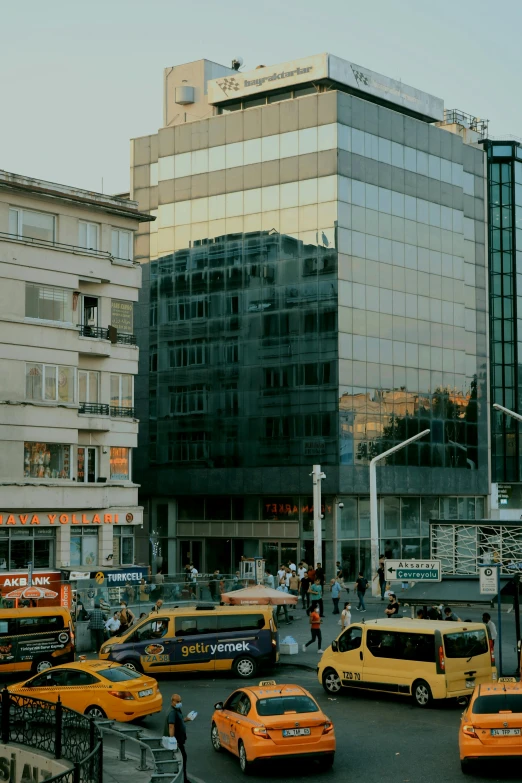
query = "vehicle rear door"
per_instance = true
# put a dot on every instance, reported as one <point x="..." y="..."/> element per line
<point x="241" y="634"/>
<point x="195" y="642"/>
<point x="467" y="658"/>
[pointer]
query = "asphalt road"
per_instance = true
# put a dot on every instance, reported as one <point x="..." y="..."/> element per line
<point x="378" y="738"/>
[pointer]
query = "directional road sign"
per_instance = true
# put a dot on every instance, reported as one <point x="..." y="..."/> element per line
<point x="419" y="570"/>
<point x="488" y="580"/>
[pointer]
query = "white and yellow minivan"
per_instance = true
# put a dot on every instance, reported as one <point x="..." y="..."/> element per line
<point x="420" y="658"/>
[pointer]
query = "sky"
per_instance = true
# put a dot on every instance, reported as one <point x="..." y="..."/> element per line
<point x="79" y="79"/>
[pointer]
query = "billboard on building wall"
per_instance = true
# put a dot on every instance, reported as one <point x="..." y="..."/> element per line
<point x="325" y="66"/>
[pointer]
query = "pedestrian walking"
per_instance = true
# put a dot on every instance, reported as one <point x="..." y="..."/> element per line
<point x="316" y="595"/>
<point x="159" y="579"/>
<point x="304" y="587"/>
<point x="269" y="579"/>
<point x="336" y="592"/>
<point x="315" y="627"/>
<point x="382" y="579"/>
<point x="319" y="574"/>
<point x="301" y="570"/>
<point x="339" y="571"/>
<point x="392" y="610"/>
<point x="293" y="584"/>
<point x="492" y="628"/>
<point x="284" y="589"/>
<point x="346" y="616"/>
<point x="175" y="727"/>
<point x="112" y="626"/>
<point x="361" y="585"/>
<point x="97" y="622"/>
<point x="157" y="606"/>
<point x="434" y="613"/>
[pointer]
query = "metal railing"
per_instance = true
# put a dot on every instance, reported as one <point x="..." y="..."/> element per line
<point x="56" y="730"/>
<point x="57" y="245"/>
<point x="122" y="412"/>
<point x="126" y="339"/>
<point x="94" y="408"/>
<point x="93" y="331"/>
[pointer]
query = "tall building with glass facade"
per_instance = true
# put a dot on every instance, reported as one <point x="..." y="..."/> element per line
<point x="314" y="291"/>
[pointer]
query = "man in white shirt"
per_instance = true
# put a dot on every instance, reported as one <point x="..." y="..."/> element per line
<point x="281" y="573"/>
<point x="486" y="619"/>
<point x="291" y="566"/>
<point x="301" y="571"/>
<point x="113" y="624"/>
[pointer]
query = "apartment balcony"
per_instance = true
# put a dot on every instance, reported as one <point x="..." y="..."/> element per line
<point x="110" y="333"/>
<point x="105" y="418"/>
<point x="121" y="412"/>
<point x="93" y="408"/>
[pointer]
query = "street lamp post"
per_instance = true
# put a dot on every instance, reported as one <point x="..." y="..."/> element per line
<point x="374" y="515"/>
<point x="317" y="477"/>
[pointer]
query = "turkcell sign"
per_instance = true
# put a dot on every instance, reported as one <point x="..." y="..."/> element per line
<point x="417" y="570"/>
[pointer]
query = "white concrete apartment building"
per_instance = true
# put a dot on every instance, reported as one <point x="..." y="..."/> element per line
<point x="68" y="358"/>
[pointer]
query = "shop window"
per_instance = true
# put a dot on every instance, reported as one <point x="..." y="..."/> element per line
<point x="21" y="552"/>
<point x="127" y="550"/>
<point x="84" y="548"/>
<point x="47" y="460"/>
<point x="190" y="508"/>
<point x="120" y="463"/>
<point x="49" y="382"/>
<point x="217" y="508"/>
<point x="47" y="303"/>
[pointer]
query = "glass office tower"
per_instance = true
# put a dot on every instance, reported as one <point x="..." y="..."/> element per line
<point x="314" y="291"/>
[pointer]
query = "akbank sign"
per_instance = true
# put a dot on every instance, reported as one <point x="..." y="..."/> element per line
<point x="321" y="67"/>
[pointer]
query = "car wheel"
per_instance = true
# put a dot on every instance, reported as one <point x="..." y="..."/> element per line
<point x="331" y="681"/>
<point x="245" y="667"/>
<point x="465" y="766"/>
<point x="326" y="762"/>
<point x="422" y="693"/>
<point x="244" y="764"/>
<point x="95" y="712"/>
<point x="42" y="665"/>
<point x="135" y="667"/>
<point x="214" y="738"/>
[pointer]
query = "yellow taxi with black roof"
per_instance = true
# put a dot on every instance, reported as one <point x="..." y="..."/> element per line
<point x="269" y="721"/>
<point x="491" y="725"/>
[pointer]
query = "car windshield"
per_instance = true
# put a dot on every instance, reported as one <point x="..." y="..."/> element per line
<point x="498" y="702"/>
<point x="466" y="644"/>
<point x="278" y="705"/>
<point x="119" y="674"/>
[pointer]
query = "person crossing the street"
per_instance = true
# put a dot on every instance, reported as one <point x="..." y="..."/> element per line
<point x="175" y="727"/>
<point x="315" y="627"/>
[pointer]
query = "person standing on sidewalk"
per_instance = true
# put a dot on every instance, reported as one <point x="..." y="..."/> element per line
<point x="304" y="587"/>
<point x="97" y="622"/>
<point x="361" y="586"/>
<point x="175" y="727"/>
<point x="382" y="579"/>
<point x="316" y="595"/>
<point x="336" y="592"/>
<point x="315" y="627"/>
<point x="293" y="584"/>
<point x="346" y="616"/>
<point x="492" y="628"/>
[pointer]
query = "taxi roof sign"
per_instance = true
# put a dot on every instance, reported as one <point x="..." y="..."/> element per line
<point x="507" y="679"/>
<point x="264" y="683"/>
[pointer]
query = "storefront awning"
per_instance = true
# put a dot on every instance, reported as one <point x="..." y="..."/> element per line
<point x="452" y="590"/>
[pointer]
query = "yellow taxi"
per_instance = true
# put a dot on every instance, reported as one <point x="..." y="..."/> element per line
<point x="491" y="726"/>
<point x="96" y="688"/>
<point x="268" y="721"/>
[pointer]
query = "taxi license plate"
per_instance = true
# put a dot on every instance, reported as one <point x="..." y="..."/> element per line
<point x="296" y="732"/>
<point x="470" y="683"/>
<point x="148" y="692"/>
<point x="505" y="732"/>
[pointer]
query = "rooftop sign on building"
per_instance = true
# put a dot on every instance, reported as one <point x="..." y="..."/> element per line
<point x="320" y="67"/>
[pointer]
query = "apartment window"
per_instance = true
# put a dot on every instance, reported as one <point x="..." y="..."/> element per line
<point x="121" y="244"/>
<point x="24" y="223"/>
<point x="187" y="354"/>
<point x="48" y="304"/>
<point x="49" y="382"/>
<point x="188" y="399"/>
<point x="47" y="460"/>
<point x="189" y="446"/>
<point x="88" y="386"/>
<point x="88" y="235"/>
<point x="231" y="351"/>
<point x="120" y="463"/>
<point x="121" y="391"/>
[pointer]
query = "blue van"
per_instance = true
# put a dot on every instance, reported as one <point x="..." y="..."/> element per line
<point x="199" y="638"/>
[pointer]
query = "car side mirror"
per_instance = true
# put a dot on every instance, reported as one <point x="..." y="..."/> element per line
<point x="335" y="646"/>
<point x="218" y="705"/>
